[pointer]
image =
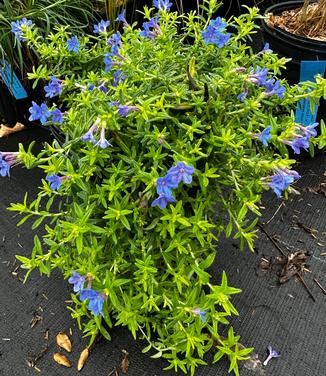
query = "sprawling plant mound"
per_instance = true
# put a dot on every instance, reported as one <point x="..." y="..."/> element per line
<point x="172" y="132"/>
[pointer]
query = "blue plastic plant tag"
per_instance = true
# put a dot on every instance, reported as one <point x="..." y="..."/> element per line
<point x="308" y="71"/>
<point x="11" y="80"/>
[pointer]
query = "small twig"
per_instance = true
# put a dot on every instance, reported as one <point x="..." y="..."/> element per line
<point x="114" y="371"/>
<point x="271" y="239"/>
<point x="273" y="216"/>
<point x="306" y="286"/>
<point x="320" y="286"/>
<point x="31" y="362"/>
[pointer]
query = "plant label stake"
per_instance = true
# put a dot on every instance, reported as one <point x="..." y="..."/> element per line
<point x="11" y="80"/>
<point x="308" y="71"/>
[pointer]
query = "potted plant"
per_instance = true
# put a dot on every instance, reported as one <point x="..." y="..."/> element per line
<point x="297" y="30"/>
<point x="168" y="145"/>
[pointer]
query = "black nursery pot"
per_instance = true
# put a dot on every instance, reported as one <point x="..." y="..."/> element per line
<point x="295" y="47"/>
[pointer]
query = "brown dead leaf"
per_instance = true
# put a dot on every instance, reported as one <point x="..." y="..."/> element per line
<point x="62" y="360"/>
<point x="36" y="318"/>
<point x="6" y="131"/>
<point x="63" y="341"/>
<point x="125" y="362"/>
<point x="82" y="359"/>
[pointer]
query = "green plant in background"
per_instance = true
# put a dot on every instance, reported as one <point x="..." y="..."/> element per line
<point x="45" y="14"/>
<point x="170" y="139"/>
<point x="113" y="8"/>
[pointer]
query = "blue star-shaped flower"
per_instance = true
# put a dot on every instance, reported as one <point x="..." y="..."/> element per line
<point x="57" y="116"/>
<point x="41" y="112"/>
<point x="163" y="200"/>
<point x="103" y="142"/>
<point x="4" y="167"/>
<point x="55" y="181"/>
<point x="96" y="300"/>
<point x="201" y="313"/>
<point x="54" y="88"/>
<point x="122" y="17"/>
<point x="19" y="28"/>
<point x="181" y="172"/>
<point x="164" y="186"/>
<point x="297" y="143"/>
<point x="265" y="135"/>
<point x="162" y="4"/>
<point x="282" y="180"/>
<point x="101" y="27"/>
<point x="108" y="62"/>
<point x="77" y="280"/>
<point x="73" y="44"/>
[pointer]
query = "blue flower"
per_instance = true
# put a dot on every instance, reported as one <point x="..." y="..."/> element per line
<point x="103" y="88"/>
<point x="266" y="49"/>
<point x="54" y="88"/>
<point x="101" y="27"/>
<point x="271" y="354"/>
<point x="77" y="280"/>
<point x="122" y="17"/>
<point x="163" y="200"/>
<point x="281" y="180"/>
<point x="55" y="181"/>
<point x="124" y="110"/>
<point x="309" y="131"/>
<point x="265" y="135"/>
<point x="274" y="88"/>
<point x="41" y="112"/>
<point x="73" y="44"/>
<point x="118" y="77"/>
<point x="297" y="143"/>
<point x="96" y="300"/>
<point x="103" y="142"/>
<point x="115" y="39"/>
<point x="91" y="87"/>
<point x="150" y="29"/>
<point x="4" y="167"/>
<point x="181" y="172"/>
<point x="215" y="33"/>
<point x="162" y="4"/>
<point x="259" y="76"/>
<point x="19" y="28"/>
<point x="201" y="313"/>
<point x="108" y="62"/>
<point x="57" y="116"/>
<point x="243" y="96"/>
<point x="11" y="157"/>
<point x="210" y="34"/>
<point x="164" y="185"/>
<point x="89" y="135"/>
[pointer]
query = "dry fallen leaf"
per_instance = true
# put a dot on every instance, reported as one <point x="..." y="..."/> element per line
<point x="125" y="362"/>
<point x="62" y="360"/>
<point x="64" y="341"/>
<point x="6" y="131"/>
<point x="82" y="359"/>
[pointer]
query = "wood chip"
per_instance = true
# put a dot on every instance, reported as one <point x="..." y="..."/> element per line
<point x="63" y="341"/>
<point x="82" y="359"/>
<point x="62" y="360"/>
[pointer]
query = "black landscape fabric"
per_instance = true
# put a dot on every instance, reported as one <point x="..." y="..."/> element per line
<point x="284" y="316"/>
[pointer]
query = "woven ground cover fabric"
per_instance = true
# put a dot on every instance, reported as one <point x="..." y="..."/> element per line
<point x="283" y="316"/>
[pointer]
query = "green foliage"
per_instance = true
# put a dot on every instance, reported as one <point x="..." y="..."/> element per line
<point x="154" y="265"/>
<point x="45" y="14"/>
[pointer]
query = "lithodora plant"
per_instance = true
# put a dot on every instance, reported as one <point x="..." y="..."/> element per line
<point x="171" y="136"/>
